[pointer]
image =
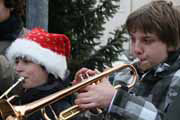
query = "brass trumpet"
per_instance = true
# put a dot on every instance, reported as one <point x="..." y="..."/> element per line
<point x="75" y="110"/>
<point x="20" y="111"/>
<point x="5" y="94"/>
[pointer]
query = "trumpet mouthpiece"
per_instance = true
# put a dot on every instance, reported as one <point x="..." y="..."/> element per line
<point x="142" y="66"/>
<point x="12" y="87"/>
<point x="21" y="79"/>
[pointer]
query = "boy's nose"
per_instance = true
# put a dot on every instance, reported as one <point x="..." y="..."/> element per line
<point x="19" y="67"/>
<point x="138" y="48"/>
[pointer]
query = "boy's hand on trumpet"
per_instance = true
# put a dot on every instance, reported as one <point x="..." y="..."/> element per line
<point x="82" y="74"/>
<point x="96" y="95"/>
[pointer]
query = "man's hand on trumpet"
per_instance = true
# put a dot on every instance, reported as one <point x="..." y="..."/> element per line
<point x="96" y="95"/>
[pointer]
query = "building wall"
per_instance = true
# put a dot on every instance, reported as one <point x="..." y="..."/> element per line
<point x="118" y="19"/>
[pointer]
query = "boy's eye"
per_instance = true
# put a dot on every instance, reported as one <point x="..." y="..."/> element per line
<point x="26" y="61"/>
<point x="17" y="61"/>
<point x="132" y="39"/>
<point x="148" y="41"/>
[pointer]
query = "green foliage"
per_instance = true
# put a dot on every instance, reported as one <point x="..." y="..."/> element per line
<point x="82" y="21"/>
<point x="108" y="53"/>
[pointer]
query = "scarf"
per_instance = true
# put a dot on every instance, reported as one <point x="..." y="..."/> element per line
<point x="10" y="28"/>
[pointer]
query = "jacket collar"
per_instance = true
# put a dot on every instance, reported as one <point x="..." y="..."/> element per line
<point x="168" y="66"/>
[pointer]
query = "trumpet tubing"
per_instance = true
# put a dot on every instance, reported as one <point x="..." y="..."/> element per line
<point x="7" y="109"/>
<point x="11" y="88"/>
<point x="69" y="113"/>
<point x="74" y="110"/>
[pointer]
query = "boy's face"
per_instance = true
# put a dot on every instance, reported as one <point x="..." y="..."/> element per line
<point x="148" y="48"/>
<point x="34" y="74"/>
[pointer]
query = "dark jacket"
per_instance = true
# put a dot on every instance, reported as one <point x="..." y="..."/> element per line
<point x="10" y="30"/>
<point x="173" y="112"/>
<point x="152" y="95"/>
<point x="41" y="92"/>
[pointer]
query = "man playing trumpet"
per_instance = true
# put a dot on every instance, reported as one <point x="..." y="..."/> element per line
<point x="155" y="39"/>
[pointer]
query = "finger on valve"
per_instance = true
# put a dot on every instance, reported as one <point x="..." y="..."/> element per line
<point x="83" y="74"/>
<point x="78" y="75"/>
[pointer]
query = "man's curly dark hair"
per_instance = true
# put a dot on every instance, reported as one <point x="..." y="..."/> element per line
<point x="17" y="6"/>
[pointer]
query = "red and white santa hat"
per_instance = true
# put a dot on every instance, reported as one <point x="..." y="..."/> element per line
<point x="47" y="49"/>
